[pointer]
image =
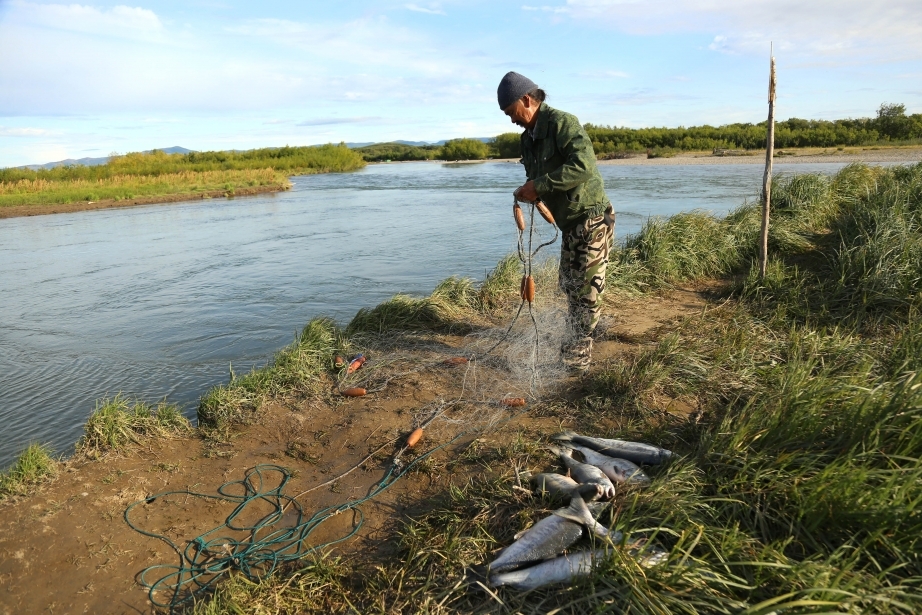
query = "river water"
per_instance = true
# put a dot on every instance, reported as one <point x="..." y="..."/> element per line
<point x="156" y="302"/>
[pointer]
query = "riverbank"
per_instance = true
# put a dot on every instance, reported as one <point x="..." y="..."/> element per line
<point x="868" y="155"/>
<point x="16" y="211"/>
<point x="791" y="402"/>
<point x="157" y="177"/>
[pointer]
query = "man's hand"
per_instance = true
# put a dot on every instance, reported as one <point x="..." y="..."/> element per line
<point x="526" y="192"/>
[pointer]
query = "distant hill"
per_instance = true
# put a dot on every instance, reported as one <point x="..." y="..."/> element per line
<point x="92" y="162"/>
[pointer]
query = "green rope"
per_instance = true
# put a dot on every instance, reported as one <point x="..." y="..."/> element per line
<point x="209" y="557"/>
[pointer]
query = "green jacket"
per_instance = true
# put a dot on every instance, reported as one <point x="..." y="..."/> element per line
<point x="561" y="161"/>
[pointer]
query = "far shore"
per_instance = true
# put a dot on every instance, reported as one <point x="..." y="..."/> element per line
<point x="869" y="155"/>
<point x="18" y="211"/>
<point x="785" y="156"/>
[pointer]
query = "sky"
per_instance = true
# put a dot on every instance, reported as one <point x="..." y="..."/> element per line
<point x="82" y="80"/>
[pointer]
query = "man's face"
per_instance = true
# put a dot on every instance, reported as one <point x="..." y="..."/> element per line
<point x="521" y="112"/>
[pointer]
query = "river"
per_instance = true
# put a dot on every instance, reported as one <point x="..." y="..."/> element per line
<point x="156" y="302"/>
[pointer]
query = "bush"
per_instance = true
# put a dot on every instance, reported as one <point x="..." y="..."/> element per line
<point x="464" y="149"/>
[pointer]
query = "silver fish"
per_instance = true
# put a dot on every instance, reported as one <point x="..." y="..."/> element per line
<point x="618" y="470"/>
<point x="637" y="452"/>
<point x="557" y="570"/>
<point x="553" y="534"/>
<point x="553" y="485"/>
<point x="584" y="472"/>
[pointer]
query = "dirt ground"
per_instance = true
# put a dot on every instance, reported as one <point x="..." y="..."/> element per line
<point x="68" y="548"/>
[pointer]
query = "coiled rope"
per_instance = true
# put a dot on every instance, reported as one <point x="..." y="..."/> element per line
<point x="207" y="558"/>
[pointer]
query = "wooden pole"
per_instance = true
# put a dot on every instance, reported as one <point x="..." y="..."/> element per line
<point x="767" y="178"/>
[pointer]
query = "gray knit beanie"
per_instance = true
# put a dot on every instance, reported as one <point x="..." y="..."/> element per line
<point x="513" y="87"/>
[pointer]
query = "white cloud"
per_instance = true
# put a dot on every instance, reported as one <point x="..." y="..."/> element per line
<point x="120" y="21"/>
<point x="24" y="132"/>
<point x="608" y="74"/>
<point x="434" y="10"/>
<point x="328" y="121"/>
<point x="68" y="63"/>
<point x="869" y="29"/>
<point x="546" y="9"/>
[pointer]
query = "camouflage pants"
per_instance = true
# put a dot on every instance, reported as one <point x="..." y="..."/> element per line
<point x="583" y="260"/>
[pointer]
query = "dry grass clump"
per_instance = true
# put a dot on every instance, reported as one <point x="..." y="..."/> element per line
<point x="296" y="369"/>
<point x="34" y="466"/>
<point x="118" y="422"/>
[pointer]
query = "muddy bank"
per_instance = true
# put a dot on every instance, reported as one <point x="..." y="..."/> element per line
<point x="16" y="211"/>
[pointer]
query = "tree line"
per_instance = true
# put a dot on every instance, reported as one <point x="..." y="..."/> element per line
<point x="320" y="159"/>
<point x="891" y="126"/>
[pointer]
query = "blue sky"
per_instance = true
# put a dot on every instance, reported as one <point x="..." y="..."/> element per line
<point x="89" y="79"/>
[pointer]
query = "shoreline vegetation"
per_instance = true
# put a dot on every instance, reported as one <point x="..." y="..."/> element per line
<point x="798" y="481"/>
<point x="160" y="177"/>
<point x="157" y="177"/>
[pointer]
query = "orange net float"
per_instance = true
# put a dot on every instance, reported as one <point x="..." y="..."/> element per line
<point x="527" y="289"/>
<point x="455" y="361"/>
<point x="339" y="362"/>
<point x="545" y="212"/>
<point x="354" y="392"/>
<point x="519" y="216"/>
<point x="514" y="402"/>
<point x="356" y="363"/>
<point x="414" y="437"/>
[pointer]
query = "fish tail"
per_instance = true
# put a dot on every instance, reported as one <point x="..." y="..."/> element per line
<point x="565" y="436"/>
<point x="563" y="451"/>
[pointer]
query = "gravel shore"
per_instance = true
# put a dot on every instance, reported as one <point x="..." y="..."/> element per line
<point x="889" y="155"/>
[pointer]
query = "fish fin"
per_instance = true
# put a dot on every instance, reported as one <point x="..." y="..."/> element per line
<point x="569" y="515"/>
<point x="564" y="436"/>
<point x="589" y="492"/>
<point x="472" y="574"/>
<point x="578" y="511"/>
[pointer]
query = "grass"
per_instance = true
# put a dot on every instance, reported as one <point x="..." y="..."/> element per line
<point x="118" y="422"/>
<point x="126" y="187"/>
<point x="799" y="483"/>
<point x="301" y="368"/>
<point x="157" y="173"/>
<point x="34" y="466"/>
<point x="295" y="369"/>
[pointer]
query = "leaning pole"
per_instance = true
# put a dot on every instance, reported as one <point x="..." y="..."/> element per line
<point x="767" y="178"/>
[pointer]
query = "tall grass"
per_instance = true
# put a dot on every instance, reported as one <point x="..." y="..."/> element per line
<point x="299" y="369"/>
<point x="295" y="369"/>
<point x="120" y="187"/>
<point x="32" y="467"/>
<point x="798" y="487"/>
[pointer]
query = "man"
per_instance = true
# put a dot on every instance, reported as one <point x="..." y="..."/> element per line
<point x="560" y="166"/>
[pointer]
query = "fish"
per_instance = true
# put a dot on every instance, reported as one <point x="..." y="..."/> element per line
<point x="557" y="570"/>
<point x="618" y="470"/>
<point x="552" y="535"/>
<point x="637" y="452"/>
<point x="553" y="485"/>
<point x="585" y="473"/>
